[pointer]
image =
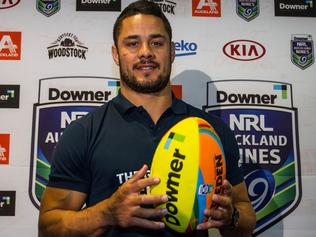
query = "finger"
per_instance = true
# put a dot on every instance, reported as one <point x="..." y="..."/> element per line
<point x="140" y="174"/>
<point x="215" y="214"/>
<point x="222" y="201"/>
<point x="151" y="199"/>
<point x="227" y="188"/>
<point x="210" y="224"/>
<point x="151" y="213"/>
<point x="147" y="224"/>
<point x="136" y="186"/>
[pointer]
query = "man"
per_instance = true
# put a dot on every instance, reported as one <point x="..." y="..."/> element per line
<point x="92" y="162"/>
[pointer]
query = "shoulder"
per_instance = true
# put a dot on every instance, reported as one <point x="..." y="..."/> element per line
<point x="94" y="117"/>
<point x="84" y="128"/>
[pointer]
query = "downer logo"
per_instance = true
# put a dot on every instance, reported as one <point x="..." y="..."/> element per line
<point x="185" y="48"/>
<point x="232" y="98"/>
<point x="303" y="8"/>
<point x="7" y="203"/>
<point x="69" y="95"/>
<point x="8" y="3"/>
<point x="9" y="96"/>
<point x="244" y="50"/>
<point x="98" y="5"/>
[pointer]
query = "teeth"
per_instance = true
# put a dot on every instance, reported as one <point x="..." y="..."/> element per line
<point x="146" y="68"/>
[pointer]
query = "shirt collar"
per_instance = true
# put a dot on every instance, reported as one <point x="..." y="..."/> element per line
<point x="178" y="106"/>
<point x="124" y="105"/>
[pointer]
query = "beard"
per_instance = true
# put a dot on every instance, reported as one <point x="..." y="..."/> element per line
<point x="149" y="86"/>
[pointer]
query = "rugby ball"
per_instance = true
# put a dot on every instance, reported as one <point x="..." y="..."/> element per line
<point x="190" y="162"/>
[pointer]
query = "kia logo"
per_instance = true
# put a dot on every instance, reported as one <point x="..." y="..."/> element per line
<point x="244" y="50"/>
<point x="8" y="3"/>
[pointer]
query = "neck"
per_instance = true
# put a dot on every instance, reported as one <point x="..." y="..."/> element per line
<point x="154" y="103"/>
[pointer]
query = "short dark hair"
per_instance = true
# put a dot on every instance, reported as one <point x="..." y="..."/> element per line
<point x="140" y="7"/>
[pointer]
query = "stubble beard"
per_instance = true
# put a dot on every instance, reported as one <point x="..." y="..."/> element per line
<point x="147" y="87"/>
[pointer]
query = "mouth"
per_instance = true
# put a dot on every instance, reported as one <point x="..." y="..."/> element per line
<point x="146" y="67"/>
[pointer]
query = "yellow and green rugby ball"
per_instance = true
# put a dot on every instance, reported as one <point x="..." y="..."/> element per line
<point x="190" y="163"/>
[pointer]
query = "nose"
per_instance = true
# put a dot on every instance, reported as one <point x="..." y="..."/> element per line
<point x="145" y="51"/>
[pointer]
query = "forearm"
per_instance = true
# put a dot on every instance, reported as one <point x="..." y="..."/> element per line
<point x="246" y="223"/>
<point x="91" y="221"/>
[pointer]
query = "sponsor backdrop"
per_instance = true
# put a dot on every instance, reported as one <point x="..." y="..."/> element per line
<point x="251" y="62"/>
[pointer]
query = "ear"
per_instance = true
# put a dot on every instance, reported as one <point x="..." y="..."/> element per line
<point x="115" y="55"/>
<point x="172" y="51"/>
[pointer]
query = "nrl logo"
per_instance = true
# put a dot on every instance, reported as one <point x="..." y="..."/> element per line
<point x="48" y="7"/>
<point x="264" y="122"/>
<point x="60" y="102"/>
<point x="247" y="9"/>
<point x="302" y="51"/>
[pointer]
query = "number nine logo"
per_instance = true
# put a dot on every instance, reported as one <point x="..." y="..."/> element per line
<point x="261" y="187"/>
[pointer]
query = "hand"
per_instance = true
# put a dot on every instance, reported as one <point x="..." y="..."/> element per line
<point x="221" y="216"/>
<point x="125" y="205"/>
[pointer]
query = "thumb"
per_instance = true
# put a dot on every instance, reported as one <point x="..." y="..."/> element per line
<point x="227" y="188"/>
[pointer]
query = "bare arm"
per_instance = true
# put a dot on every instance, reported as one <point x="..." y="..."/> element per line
<point x="61" y="214"/>
<point x="237" y="197"/>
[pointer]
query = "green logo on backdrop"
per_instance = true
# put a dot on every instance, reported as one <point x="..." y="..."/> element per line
<point x="302" y="51"/>
<point x="48" y="7"/>
<point x="247" y="10"/>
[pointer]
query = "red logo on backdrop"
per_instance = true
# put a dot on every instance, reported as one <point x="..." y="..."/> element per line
<point x="208" y="8"/>
<point x="4" y="148"/>
<point x="10" y="45"/>
<point x="8" y="3"/>
<point x="244" y="50"/>
<point x="177" y="91"/>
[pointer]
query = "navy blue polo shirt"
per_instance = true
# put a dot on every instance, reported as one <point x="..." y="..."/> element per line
<point x="100" y="151"/>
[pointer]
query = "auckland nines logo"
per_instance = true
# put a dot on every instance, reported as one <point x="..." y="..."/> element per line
<point x="264" y="121"/>
<point x="48" y="7"/>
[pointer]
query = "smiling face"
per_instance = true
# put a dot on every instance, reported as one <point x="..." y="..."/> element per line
<point x="144" y="53"/>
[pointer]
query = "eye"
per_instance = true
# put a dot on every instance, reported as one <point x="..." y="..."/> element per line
<point x="132" y="44"/>
<point x="156" y="43"/>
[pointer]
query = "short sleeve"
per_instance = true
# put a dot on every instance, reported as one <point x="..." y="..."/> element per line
<point x="70" y="166"/>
